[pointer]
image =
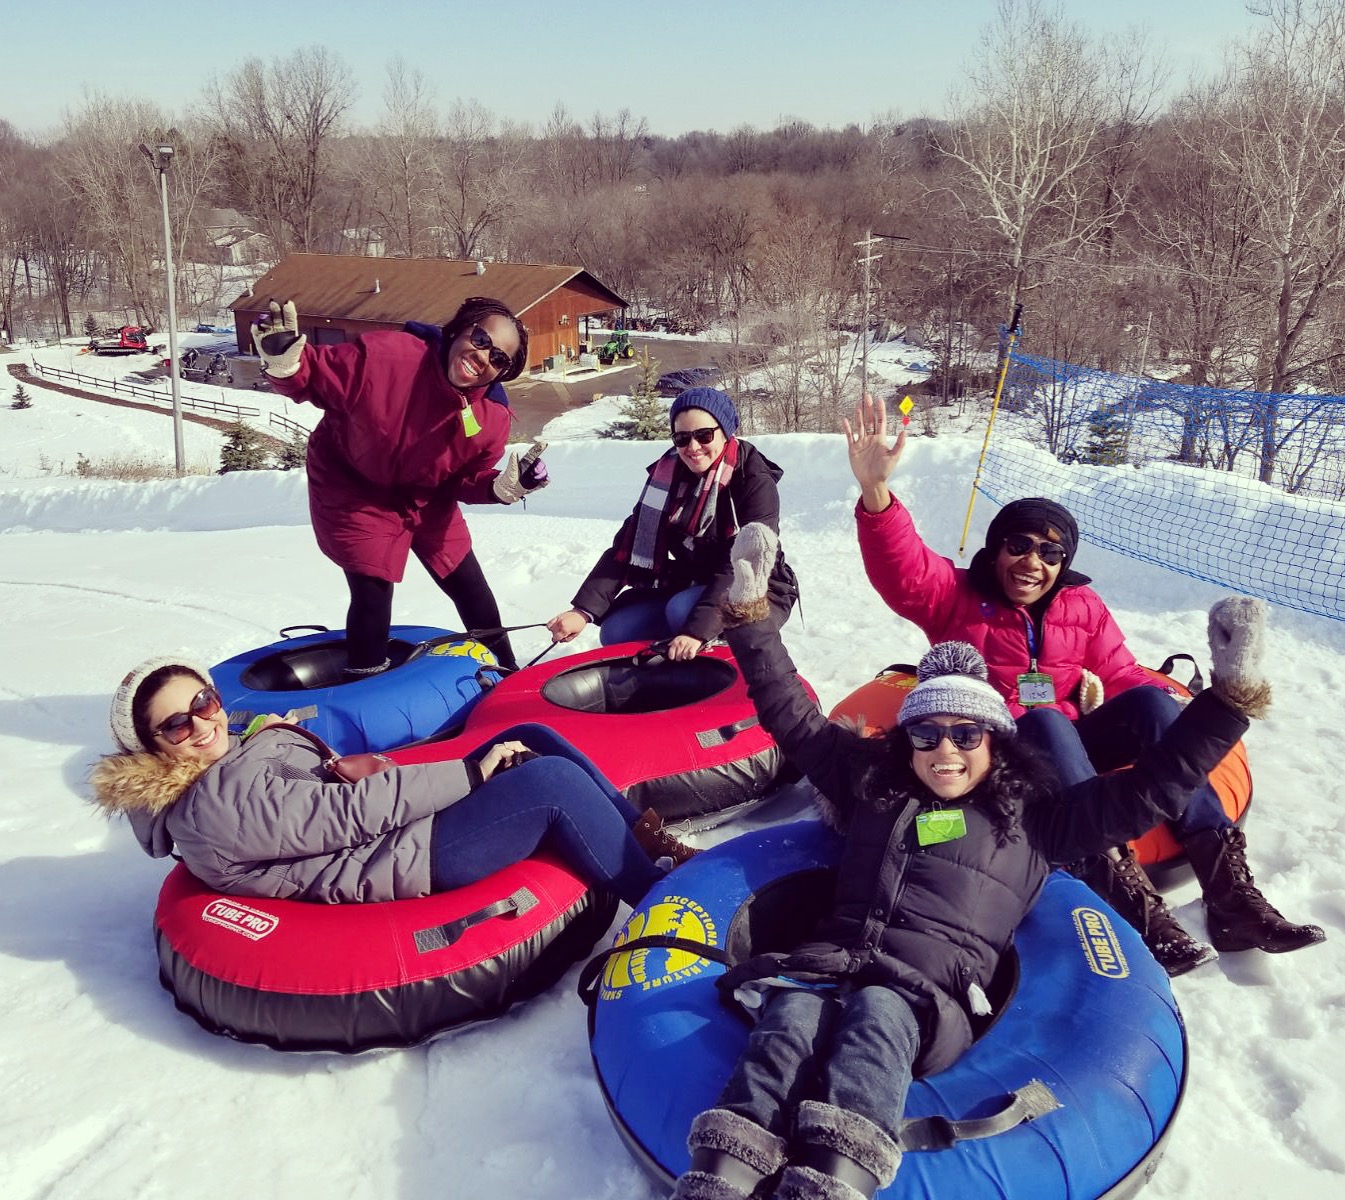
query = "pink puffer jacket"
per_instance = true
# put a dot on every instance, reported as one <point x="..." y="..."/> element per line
<point x="1078" y="632"/>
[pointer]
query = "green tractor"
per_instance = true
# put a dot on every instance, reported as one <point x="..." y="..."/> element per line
<point x="617" y="346"/>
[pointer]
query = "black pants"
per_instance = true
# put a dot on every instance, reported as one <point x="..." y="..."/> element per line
<point x="370" y="614"/>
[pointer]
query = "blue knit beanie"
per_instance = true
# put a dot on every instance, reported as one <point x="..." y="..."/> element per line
<point x="718" y="404"/>
<point x="953" y="682"/>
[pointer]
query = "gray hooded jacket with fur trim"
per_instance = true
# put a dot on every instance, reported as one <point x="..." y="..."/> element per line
<point x="267" y="820"/>
<point x="933" y="921"/>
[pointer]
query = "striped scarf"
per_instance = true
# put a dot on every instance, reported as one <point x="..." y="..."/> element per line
<point x="687" y="511"/>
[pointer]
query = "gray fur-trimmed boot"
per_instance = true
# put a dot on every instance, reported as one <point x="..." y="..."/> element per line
<point x="731" y="1157"/>
<point x="838" y="1155"/>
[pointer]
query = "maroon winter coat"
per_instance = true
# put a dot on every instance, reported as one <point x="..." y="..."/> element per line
<point x="390" y="461"/>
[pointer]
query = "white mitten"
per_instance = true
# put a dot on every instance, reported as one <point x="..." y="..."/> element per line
<point x="1091" y="693"/>
<point x="522" y="476"/>
<point x="753" y="559"/>
<point x="1237" y="642"/>
<point x="280" y="345"/>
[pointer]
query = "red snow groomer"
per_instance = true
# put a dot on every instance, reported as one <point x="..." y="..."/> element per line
<point x="129" y="339"/>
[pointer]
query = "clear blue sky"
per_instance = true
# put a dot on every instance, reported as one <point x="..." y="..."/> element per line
<point x="681" y="64"/>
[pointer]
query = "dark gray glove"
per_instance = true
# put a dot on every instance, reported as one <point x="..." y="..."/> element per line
<point x="280" y="344"/>
<point x="1237" y="641"/>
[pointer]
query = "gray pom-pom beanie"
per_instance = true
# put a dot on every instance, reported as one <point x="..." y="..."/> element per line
<point x="953" y="681"/>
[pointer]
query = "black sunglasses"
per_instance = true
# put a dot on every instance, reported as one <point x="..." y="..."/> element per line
<point x="925" y="735"/>
<point x="177" y="728"/>
<point x="481" y="340"/>
<point x="682" y="438"/>
<point x="1020" y="544"/>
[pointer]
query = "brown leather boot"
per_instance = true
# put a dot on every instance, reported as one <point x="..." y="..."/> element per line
<point x="1120" y="880"/>
<point x="658" y="843"/>
<point x="1239" y="917"/>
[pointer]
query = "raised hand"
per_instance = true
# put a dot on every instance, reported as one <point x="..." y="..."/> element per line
<point x="1237" y="642"/>
<point x="871" y="462"/>
<point x="753" y="560"/>
<point x="280" y="344"/>
<point x="522" y="476"/>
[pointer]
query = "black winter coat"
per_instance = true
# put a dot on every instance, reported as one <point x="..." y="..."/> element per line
<point x="933" y="921"/>
<point x="755" y="497"/>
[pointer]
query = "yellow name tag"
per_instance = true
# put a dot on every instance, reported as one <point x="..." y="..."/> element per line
<point x="1035" y="687"/>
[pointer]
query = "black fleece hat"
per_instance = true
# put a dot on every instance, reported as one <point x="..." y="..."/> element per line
<point x="1035" y="514"/>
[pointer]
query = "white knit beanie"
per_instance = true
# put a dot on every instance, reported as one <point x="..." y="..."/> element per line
<point x="120" y="719"/>
<point x="953" y="682"/>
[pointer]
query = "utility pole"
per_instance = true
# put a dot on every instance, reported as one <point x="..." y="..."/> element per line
<point x="866" y="259"/>
<point x="160" y="158"/>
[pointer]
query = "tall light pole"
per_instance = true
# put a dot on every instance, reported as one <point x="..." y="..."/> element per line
<point x="871" y="239"/>
<point x="160" y="158"/>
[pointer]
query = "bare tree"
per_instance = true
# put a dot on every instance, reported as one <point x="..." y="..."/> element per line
<point x="616" y="144"/>
<point x="1285" y="119"/>
<point x="276" y="123"/>
<point x="1030" y="133"/>
<point x="100" y="166"/>
<point x="805" y="279"/>
<point x="396" y="168"/>
<point x="478" y="176"/>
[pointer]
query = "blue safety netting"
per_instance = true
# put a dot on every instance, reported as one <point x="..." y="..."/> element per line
<point x="1241" y="489"/>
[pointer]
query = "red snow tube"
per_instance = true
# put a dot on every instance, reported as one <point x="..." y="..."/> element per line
<point x="350" y="977"/>
<point x="681" y="737"/>
<point x="874" y="706"/>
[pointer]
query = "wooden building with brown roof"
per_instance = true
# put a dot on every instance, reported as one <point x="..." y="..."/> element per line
<point x="340" y="296"/>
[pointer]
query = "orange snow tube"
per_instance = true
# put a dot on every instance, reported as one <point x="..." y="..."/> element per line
<point x="872" y="708"/>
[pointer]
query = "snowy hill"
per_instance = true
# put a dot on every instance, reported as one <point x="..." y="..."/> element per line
<point x="109" y="1092"/>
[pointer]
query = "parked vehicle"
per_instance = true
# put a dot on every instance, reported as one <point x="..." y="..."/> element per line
<point x="674" y="383"/>
<point x="129" y="339"/>
<point x="617" y="346"/>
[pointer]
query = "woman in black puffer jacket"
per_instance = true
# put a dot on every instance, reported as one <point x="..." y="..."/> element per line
<point x="950" y="831"/>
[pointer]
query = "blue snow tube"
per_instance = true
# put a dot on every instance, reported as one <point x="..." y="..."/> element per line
<point x="1082" y="1007"/>
<point x="435" y="679"/>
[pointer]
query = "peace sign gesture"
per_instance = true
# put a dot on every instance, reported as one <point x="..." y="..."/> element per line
<point x="870" y="459"/>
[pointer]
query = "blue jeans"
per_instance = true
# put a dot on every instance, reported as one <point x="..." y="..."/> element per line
<point x="854" y="1052"/>
<point x="560" y="800"/>
<point x="642" y="614"/>
<point x="1110" y="737"/>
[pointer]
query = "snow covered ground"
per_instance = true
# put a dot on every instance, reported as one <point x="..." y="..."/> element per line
<point x="109" y="1092"/>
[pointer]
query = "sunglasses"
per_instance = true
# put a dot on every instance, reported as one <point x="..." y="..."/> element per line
<point x="682" y="438"/>
<point x="925" y="735"/>
<point x="177" y="729"/>
<point x="480" y="339"/>
<point x="1019" y="545"/>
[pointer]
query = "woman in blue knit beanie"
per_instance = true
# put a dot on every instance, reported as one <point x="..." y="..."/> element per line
<point x="667" y="571"/>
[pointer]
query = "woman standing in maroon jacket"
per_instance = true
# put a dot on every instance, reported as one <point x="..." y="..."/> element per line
<point x="408" y="433"/>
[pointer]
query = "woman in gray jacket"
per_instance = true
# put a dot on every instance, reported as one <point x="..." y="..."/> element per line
<point x="261" y="816"/>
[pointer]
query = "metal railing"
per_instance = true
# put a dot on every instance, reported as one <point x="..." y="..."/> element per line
<point x="101" y="383"/>
<point x="290" y="427"/>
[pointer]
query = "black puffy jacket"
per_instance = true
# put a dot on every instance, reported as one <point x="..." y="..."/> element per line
<point x="933" y="921"/>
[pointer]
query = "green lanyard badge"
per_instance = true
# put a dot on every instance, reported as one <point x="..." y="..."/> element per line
<point x="941" y="825"/>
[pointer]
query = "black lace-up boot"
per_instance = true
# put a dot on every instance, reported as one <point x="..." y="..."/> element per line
<point x="1120" y="880"/>
<point x="1239" y="917"/>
